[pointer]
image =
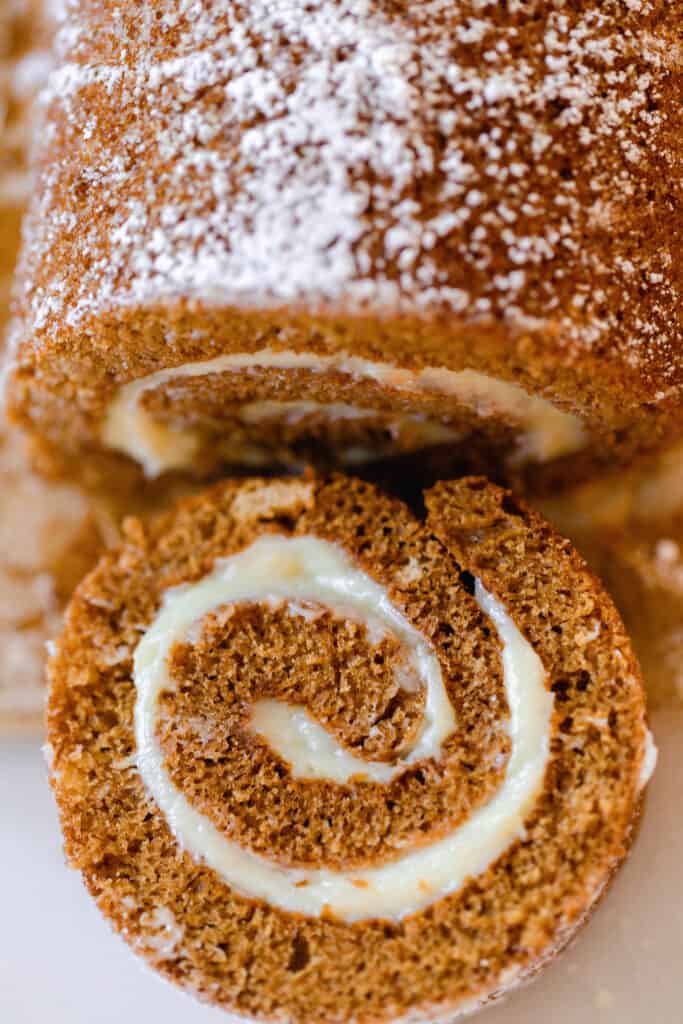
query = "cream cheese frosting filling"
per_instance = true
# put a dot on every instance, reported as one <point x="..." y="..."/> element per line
<point x="548" y="432"/>
<point x="308" y="569"/>
<point x="649" y="763"/>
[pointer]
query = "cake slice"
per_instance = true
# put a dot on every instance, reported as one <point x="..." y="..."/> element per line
<point x="321" y="760"/>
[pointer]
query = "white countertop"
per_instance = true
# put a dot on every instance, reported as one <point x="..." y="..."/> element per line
<point x="59" y="963"/>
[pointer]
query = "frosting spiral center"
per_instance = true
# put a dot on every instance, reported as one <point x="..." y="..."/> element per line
<point x="277" y="569"/>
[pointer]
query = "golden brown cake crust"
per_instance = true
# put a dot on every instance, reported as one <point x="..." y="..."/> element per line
<point x="261" y="962"/>
<point x="446" y="183"/>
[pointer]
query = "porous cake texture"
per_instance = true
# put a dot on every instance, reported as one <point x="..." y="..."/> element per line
<point x="477" y="583"/>
<point x="370" y="226"/>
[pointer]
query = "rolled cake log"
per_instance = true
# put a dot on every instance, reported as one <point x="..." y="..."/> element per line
<point x="263" y="230"/>
<point x="320" y="760"/>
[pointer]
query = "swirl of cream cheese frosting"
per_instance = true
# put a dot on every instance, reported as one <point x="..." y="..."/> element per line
<point x="547" y="432"/>
<point x="277" y="569"/>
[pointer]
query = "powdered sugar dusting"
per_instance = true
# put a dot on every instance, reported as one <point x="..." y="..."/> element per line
<point x="449" y="154"/>
<point x="163" y="935"/>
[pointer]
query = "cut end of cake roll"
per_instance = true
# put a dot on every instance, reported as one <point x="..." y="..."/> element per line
<point x="363" y="231"/>
<point x="321" y="760"/>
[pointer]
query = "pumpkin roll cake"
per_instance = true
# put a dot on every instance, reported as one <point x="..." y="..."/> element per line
<point x="321" y="760"/>
<point x="268" y="232"/>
